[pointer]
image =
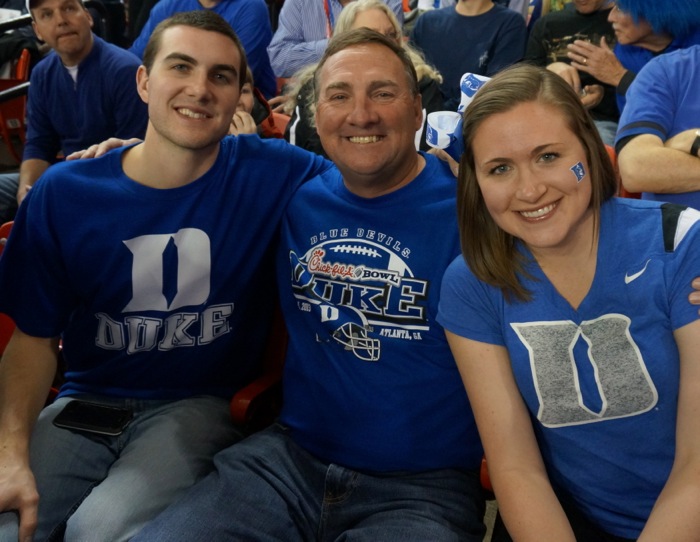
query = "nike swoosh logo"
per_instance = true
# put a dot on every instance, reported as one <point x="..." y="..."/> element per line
<point x="630" y="278"/>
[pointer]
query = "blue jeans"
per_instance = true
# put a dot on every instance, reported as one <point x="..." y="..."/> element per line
<point x="107" y="488"/>
<point x="268" y="488"/>
<point x="607" y="130"/>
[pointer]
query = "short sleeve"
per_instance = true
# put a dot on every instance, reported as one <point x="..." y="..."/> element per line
<point x="683" y="268"/>
<point x="650" y="104"/>
<point x="32" y="274"/>
<point x="470" y="308"/>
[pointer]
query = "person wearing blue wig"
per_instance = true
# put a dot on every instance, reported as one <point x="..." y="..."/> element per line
<point x="644" y="29"/>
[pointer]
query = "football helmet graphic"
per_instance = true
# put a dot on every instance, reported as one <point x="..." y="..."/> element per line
<point x="345" y="325"/>
<point x="354" y="337"/>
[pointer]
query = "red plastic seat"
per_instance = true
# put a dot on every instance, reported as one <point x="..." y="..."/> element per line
<point x="622" y="192"/>
<point x="258" y="404"/>
<point x="13" y="111"/>
<point x="7" y="326"/>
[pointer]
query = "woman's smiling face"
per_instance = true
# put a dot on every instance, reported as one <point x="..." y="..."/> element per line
<point x="533" y="176"/>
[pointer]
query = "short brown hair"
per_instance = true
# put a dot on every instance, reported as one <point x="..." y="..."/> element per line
<point x="204" y="19"/>
<point x="490" y="252"/>
<point x="365" y="36"/>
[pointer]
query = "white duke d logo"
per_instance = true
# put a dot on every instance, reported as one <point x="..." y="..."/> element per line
<point x="147" y="273"/>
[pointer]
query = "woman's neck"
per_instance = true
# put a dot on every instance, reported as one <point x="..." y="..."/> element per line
<point x="571" y="268"/>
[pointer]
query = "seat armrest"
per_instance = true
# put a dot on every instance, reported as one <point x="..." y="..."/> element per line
<point x="257" y="405"/>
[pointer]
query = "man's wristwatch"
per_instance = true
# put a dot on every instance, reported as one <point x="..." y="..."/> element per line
<point x="695" y="148"/>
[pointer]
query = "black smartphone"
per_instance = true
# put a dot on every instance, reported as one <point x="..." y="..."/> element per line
<point x="93" y="418"/>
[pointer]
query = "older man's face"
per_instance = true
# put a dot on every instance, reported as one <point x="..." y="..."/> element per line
<point x="628" y="31"/>
<point x="66" y="26"/>
<point x="367" y="115"/>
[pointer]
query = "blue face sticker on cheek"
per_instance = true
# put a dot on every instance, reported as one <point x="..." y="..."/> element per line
<point x="579" y="171"/>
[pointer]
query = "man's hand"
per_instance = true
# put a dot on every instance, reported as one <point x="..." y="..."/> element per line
<point x="97" y="150"/>
<point x="568" y="73"/>
<point x="27" y="370"/>
<point x="694" y="296"/>
<point x="18" y="492"/>
<point x="598" y="61"/>
<point x="443" y="155"/>
<point x="242" y="123"/>
<point x="22" y="192"/>
<point x="591" y="96"/>
<point x="29" y="173"/>
<point x="278" y="104"/>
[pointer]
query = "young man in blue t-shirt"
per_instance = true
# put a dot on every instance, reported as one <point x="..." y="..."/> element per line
<point x="150" y="265"/>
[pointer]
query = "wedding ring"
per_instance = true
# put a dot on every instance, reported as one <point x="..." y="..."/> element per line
<point x="585" y="61"/>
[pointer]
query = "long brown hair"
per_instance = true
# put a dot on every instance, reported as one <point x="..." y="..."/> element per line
<point x="490" y="252"/>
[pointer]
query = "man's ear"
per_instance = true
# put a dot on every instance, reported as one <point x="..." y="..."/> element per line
<point x="36" y="31"/>
<point x="418" y="109"/>
<point x="142" y="82"/>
